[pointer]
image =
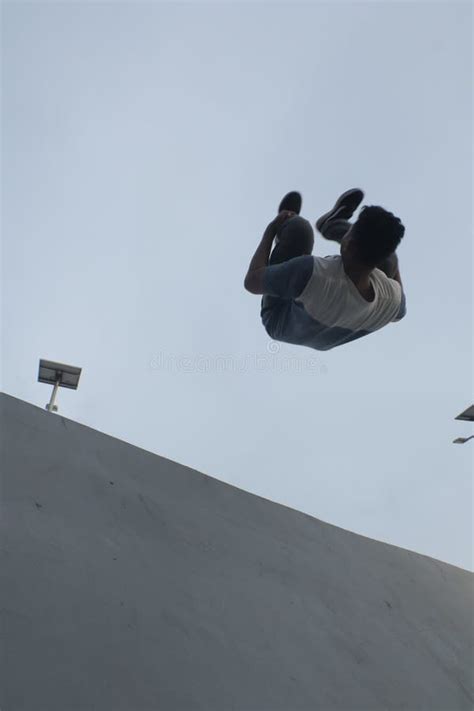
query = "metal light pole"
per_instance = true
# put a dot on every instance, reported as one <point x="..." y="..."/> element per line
<point x="51" y="406"/>
<point x="462" y="440"/>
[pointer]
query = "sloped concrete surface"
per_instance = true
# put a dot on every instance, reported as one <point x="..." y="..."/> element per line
<point x="131" y="583"/>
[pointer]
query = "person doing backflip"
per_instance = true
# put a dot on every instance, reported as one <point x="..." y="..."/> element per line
<point x="324" y="302"/>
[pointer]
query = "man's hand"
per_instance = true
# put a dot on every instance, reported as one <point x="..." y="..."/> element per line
<point x="280" y="219"/>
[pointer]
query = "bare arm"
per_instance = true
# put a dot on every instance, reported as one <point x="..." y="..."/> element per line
<point x="397" y="277"/>
<point x="254" y="278"/>
<point x="391" y="268"/>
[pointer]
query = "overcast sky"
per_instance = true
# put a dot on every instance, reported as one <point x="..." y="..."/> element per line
<point x="146" y="146"/>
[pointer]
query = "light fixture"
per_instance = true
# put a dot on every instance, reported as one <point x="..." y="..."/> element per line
<point x="58" y="375"/>
<point x="467" y="415"/>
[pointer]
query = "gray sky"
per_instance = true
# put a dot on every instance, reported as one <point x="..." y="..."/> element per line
<point x="145" y="149"/>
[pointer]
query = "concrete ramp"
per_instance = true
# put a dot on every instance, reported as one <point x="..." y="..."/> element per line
<point x="131" y="583"/>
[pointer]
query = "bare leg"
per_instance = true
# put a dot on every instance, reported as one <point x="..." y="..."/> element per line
<point x="295" y="238"/>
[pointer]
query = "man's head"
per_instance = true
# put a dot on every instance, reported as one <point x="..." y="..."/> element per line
<point x="372" y="238"/>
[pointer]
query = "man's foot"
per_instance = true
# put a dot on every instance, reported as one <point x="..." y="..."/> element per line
<point x="292" y="201"/>
<point x="344" y="208"/>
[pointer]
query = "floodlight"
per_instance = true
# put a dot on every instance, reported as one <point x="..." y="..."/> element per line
<point x="58" y="375"/>
<point x="467" y="415"/>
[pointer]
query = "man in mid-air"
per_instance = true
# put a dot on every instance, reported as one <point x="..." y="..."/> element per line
<point x="323" y="302"/>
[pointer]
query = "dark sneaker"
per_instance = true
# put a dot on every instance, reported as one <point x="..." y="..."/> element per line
<point x="292" y="201"/>
<point x="344" y="208"/>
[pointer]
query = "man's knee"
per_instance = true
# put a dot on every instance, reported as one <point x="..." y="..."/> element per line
<point x="296" y="237"/>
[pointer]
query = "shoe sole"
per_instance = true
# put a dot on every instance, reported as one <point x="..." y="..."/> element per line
<point x="345" y="206"/>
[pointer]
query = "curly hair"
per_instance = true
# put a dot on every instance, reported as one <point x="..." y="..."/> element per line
<point x="376" y="234"/>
